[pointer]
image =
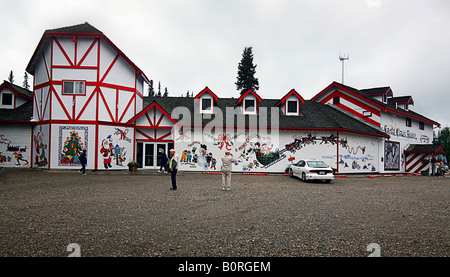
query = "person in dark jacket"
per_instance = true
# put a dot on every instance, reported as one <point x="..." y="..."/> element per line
<point x="164" y="160"/>
<point x="83" y="162"/>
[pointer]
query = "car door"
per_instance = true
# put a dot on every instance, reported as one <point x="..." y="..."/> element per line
<point x="297" y="169"/>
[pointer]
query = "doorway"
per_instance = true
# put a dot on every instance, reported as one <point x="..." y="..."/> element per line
<point x="148" y="154"/>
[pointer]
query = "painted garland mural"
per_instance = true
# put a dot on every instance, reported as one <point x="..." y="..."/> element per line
<point x="255" y="152"/>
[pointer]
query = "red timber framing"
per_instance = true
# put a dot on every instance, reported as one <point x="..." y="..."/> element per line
<point x="150" y="126"/>
<point x="362" y="101"/>
<point x="417" y="161"/>
<point x="117" y="105"/>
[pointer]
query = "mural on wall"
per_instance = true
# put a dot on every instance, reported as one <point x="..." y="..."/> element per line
<point x="391" y="155"/>
<point x="72" y="142"/>
<point x="113" y="148"/>
<point x="40" y="148"/>
<point x="257" y="152"/>
<point x="11" y="153"/>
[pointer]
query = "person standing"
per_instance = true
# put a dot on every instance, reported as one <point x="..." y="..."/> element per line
<point x="227" y="164"/>
<point x="83" y="162"/>
<point x="163" y="162"/>
<point x="173" y="168"/>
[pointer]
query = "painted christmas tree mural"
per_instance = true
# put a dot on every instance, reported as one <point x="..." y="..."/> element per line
<point x="73" y="147"/>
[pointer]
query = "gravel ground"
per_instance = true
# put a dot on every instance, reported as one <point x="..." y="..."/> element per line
<point x="135" y="214"/>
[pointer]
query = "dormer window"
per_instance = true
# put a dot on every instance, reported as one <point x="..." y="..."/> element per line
<point x="249" y="106"/>
<point x="7" y="99"/>
<point x="206" y="100"/>
<point x="290" y="103"/>
<point x="292" y="107"/>
<point x="249" y="102"/>
<point x="206" y="105"/>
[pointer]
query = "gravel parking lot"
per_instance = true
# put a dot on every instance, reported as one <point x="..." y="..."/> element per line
<point x="135" y="214"/>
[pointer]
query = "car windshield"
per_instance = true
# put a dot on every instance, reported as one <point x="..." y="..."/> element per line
<point x="317" y="164"/>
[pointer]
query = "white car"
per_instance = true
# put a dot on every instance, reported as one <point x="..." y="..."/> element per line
<point x="312" y="170"/>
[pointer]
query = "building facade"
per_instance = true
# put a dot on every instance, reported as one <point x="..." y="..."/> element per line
<point x="85" y="90"/>
<point x="88" y="95"/>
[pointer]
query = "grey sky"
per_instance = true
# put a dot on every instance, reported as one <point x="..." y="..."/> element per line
<point x="187" y="45"/>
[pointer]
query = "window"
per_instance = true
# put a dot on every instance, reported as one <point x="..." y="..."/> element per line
<point x="335" y="100"/>
<point x="408" y="122"/>
<point x="74" y="87"/>
<point x="421" y="125"/>
<point x="249" y="106"/>
<point x="206" y="105"/>
<point x="7" y="99"/>
<point x="292" y="107"/>
<point x="367" y="114"/>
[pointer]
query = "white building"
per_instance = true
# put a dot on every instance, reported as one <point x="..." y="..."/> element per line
<point x="379" y="108"/>
<point x="85" y="90"/>
<point x="88" y="95"/>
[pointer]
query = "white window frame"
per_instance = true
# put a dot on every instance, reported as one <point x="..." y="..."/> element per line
<point x="296" y="105"/>
<point x="244" y="111"/>
<point x="211" y="108"/>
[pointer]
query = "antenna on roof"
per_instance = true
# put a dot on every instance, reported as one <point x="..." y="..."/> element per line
<point x="343" y="58"/>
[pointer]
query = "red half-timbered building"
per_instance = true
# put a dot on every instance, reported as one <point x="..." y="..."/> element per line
<point x="85" y="91"/>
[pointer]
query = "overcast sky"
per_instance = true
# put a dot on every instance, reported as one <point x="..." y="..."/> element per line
<point x="187" y="45"/>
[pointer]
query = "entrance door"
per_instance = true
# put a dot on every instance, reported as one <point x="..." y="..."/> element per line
<point x="148" y="154"/>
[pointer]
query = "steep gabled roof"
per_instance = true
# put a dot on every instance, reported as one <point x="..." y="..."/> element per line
<point x="80" y="30"/>
<point x="378" y="91"/>
<point x="207" y="90"/>
<point x="292" y="92"/>
<point x="425" y="148"/>
<point x="401" y="99"/>
<point x="384" y="107"/>
<point x="18" y="90"/>
<point x="243" y="95"/>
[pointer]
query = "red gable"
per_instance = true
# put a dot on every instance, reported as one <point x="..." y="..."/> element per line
<point x="250" y="91"/>
<point x="292" y="92"/>
<point x="206" y="90"/>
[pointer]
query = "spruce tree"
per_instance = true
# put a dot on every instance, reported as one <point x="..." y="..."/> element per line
<point x="159" y="89"/>
<point x="246" y="72"/>
<point x="25" y="81"/>
<point x="11" y="77"/>
<point x="151" y="90"/>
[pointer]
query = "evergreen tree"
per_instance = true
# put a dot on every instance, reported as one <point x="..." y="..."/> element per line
<point x="246" y="72"/>
<point x="11" y="77"/>
<point x="444" y="139"/>
<point x="187" y="94"/>
<point x="151" y="90"/>
<point x="25" y="81"/>
<point x="166" y="93"/>
<point x="159" y="89"/>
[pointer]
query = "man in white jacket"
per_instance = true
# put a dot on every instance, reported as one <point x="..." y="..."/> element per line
<point x="173" y="168"/>
<point x="227" y="164"/>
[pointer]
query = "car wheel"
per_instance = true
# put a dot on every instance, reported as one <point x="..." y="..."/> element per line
<point x="291" y="173"/>
<point x="303" y="177"/>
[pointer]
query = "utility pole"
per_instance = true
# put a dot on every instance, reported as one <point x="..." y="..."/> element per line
<point x="343" y="58"/>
